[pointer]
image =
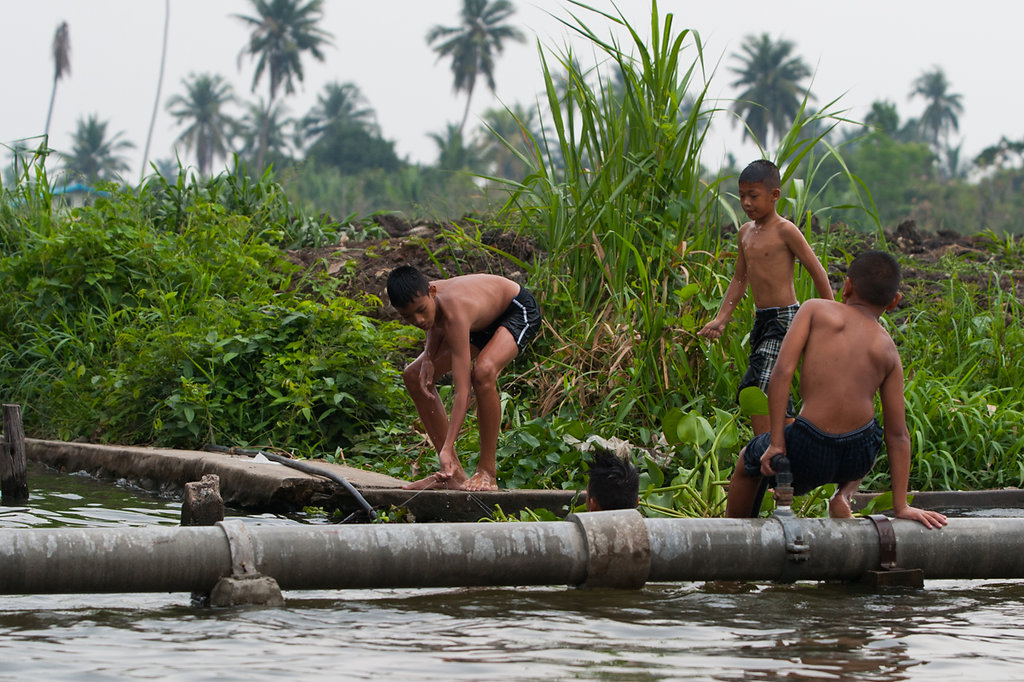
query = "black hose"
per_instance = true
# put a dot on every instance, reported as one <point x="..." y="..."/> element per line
<point x="304" y="467"/>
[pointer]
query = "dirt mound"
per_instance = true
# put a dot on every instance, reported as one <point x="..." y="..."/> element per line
<point x="438" y="250"/>
<point x="442" y="250"/>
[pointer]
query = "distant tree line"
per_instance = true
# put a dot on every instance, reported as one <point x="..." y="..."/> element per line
<point x="336" y="159"/>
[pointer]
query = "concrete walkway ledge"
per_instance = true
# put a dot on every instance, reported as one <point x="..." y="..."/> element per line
<point x="261" y="487"/>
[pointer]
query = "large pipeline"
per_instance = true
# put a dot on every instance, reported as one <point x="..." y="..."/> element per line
<point x="614" y="549"/>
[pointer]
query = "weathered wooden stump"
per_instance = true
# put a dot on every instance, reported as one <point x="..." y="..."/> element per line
<point x="13" y="479"/>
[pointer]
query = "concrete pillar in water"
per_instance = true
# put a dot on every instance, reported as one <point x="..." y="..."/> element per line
<point x="202" y="504"/>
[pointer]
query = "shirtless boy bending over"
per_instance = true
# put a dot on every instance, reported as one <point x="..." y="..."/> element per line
<point x="475" y="324"/>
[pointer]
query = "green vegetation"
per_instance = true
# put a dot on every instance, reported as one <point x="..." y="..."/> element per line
<point x="167" y="314"/>
<point x="170" y="317"/>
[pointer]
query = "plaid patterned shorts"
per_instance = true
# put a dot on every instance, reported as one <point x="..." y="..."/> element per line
<point x="770" y="326"/>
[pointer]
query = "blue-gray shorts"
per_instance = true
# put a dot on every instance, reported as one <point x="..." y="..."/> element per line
<point x="522" y="318"/>
<point x="816" y="457"/>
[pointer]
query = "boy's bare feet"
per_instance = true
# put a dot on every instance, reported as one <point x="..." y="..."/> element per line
<point x="480" y="481"/>
<point x="839" y="508"/>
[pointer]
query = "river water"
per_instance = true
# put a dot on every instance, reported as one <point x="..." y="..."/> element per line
<point x="972" y="630"/>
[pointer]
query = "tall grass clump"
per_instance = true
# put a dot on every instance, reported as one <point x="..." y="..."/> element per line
<point x="965" y="383"/>
<point x="615" y="195"/>
<point x="632" y="222"/>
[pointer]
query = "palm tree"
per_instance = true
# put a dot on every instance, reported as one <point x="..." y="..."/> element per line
<point x="159" y="87"/>
<point x="884" y="118"/>
<point x="61" y="65"/>
<point x="93" y="156"/>
<point x="282" y="31"/>
<point x="770" y="78"/>
<point x="341" y="105"/>
<point x="473" y="44"/>
<point x="453" y="154"/>
<point x="201" y="108"/>
<point x="508" y="133"/>
<point x="266" y="129"/>
<point x="943" y="107"/>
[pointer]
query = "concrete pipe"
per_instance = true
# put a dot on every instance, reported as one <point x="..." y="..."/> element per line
<point x="613" y="549"/>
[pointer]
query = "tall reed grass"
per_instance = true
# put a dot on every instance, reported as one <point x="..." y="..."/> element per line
<point x="632" y="220"/>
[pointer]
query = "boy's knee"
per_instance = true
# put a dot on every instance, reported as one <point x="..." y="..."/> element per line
<point x="411" y="378"/>
<point x="484" y="374"/>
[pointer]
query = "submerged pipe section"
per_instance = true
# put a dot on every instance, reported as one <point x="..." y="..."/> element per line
<point x="613" y="549"/>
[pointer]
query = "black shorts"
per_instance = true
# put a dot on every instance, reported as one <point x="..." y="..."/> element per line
<point x="522" y="318"/>
<point x="816" y="457"/>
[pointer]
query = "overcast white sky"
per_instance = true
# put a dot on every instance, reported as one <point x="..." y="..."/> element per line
<point x="862" y="51"/>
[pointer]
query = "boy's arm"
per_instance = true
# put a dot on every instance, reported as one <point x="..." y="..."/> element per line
<point x="457" y="334"/>
<point x="432" y="346"/>
<point x="805" y="254"/>
<point x="733" y="294"/>
<point x="897" y="445"/>
<point x="781" y="383"/>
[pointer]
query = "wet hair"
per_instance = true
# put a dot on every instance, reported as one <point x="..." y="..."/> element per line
<point x="762" y="172"/>
<point x="614" y="481"/>
<point x="875" y="276"/>
<point x="405" y="283"/>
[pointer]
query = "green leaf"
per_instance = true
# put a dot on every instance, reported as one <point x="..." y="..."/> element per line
<point x="753" y="401"/>
<point x="529" y="439"/>
<point x="688" y="292"/>
<point x="653" y="475"/>
<point x="670" y="425"/>
<point x="695" y="429"/>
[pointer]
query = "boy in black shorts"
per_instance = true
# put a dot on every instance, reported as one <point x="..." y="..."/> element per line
<point x="476" y="324"/>
<point x="846" y="357"/>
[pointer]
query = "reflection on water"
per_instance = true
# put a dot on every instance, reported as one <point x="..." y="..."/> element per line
<point x="720" y="631"/>
<point x="687" y="631"/>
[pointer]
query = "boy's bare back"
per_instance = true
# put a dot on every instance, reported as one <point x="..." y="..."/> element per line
<point x="474" y="300"/>
<point x="847" y="358"/>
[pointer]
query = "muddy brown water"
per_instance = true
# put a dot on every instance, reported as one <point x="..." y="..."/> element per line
<point x="965" y="629"/>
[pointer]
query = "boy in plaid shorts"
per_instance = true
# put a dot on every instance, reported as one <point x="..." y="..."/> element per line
<point x="767" y="251"/>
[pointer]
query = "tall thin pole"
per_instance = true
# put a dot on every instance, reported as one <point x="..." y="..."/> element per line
<point x="159" y="85"/>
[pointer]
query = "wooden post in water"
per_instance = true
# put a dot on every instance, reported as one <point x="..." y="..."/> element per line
<point x="13" y="481"/>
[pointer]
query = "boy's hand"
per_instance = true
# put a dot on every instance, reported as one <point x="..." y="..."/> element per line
<point x="766" y="459"/>
<point x="930" y="519"/>
<point x="712" y="330"/>
<point x="427" y="374"/>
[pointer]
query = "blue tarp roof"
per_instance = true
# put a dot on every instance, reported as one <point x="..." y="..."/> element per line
<point x="78" y="187"/>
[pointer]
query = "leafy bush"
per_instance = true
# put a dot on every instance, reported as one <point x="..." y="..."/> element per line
<point x="165" y="318"/>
